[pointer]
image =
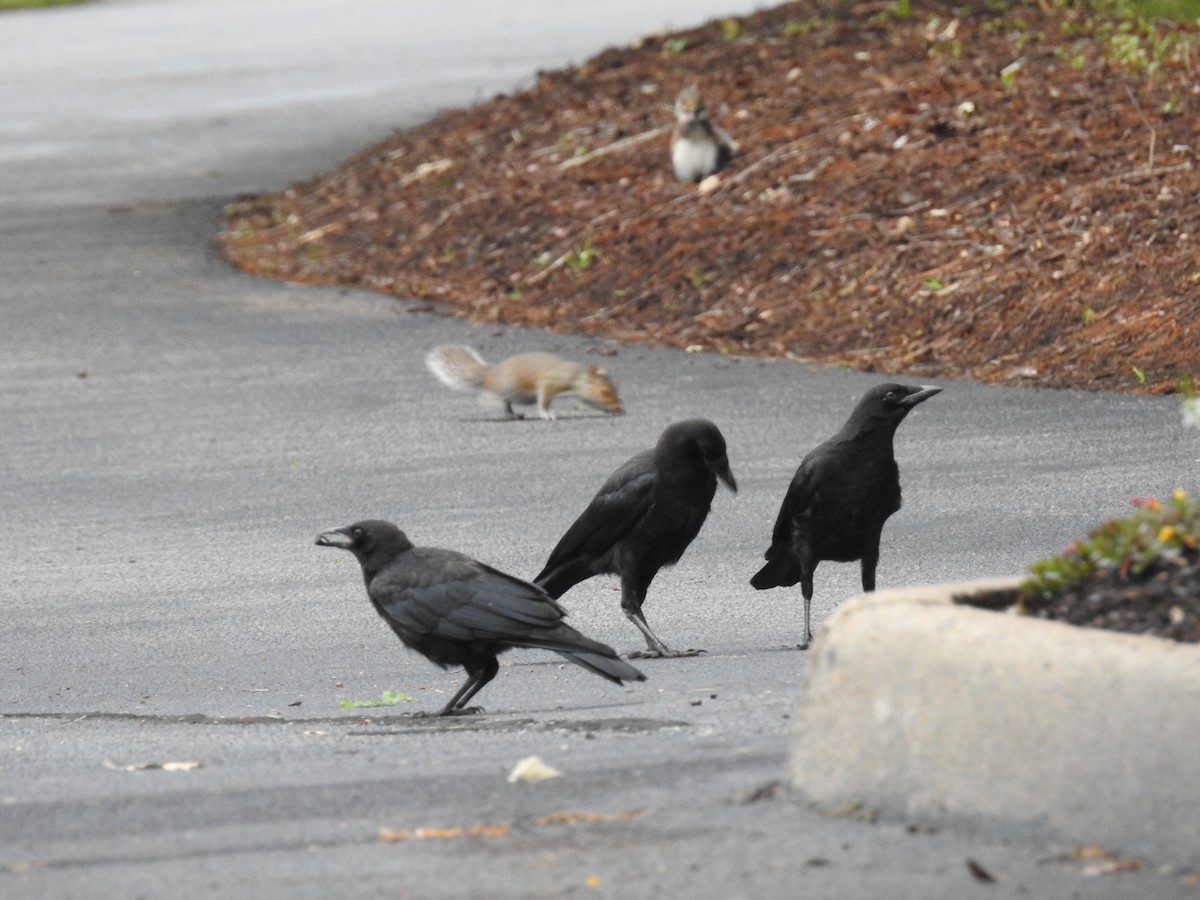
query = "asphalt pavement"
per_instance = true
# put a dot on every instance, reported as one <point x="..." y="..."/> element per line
<point x="176" y="433"/>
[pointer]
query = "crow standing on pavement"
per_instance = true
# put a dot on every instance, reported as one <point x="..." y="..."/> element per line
<point x="644" y="517"/>
<point x="841" y="495"/>
<point x="455" y="611"/>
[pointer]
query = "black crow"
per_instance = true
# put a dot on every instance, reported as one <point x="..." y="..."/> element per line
<point x="455" y="611"/>
<point x="843" y="492"/>
<point x="642" y="519"/>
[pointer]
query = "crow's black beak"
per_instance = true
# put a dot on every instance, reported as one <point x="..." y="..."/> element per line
<point x="921" y="395"/>
<point x="334" y="538"/>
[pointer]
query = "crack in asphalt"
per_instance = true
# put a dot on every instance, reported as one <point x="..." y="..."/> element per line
<point x="414" y="723"/>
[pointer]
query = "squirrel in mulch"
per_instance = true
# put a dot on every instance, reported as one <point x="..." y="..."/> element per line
<point x="698" y="147"/>
<point x="524" y="379"/>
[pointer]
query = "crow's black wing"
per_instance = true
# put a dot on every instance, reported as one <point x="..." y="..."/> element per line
<point x="444" y="594"/>
<point x="799" y="497"/>
<point x="619" y="505"/>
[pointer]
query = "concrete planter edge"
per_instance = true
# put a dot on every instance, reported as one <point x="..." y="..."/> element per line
<point x="942" y="713"/>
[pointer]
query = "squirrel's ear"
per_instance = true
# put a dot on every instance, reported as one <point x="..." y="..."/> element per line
<point x="597" y="370"/>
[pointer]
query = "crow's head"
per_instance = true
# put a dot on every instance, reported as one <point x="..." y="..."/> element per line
<point x="890" y="403"/>
<point x="373" y="541"/>
<point x="697" y="439"/>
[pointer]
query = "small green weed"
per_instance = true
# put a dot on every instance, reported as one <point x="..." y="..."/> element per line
<point x="805" y="26"/>
<point x="387" y="698"/>
<point x="1008" y="75"/>
<point x="578" y="260"/>
<point x="731" y="29"/>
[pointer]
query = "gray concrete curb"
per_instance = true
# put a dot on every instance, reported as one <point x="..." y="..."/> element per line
<point x="939" y="713"/>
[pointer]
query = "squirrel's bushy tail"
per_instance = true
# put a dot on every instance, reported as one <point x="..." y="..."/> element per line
<point x="456" y="366"/>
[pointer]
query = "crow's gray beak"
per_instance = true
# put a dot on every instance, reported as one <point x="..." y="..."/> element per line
<point x="726" y="476"/>
<point x="334" y="538"/>
<point x="926" y="391"/>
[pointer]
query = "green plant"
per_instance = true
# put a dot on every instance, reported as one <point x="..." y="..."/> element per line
<point x="1008" y="75"/>
<point x="578" y="260"/>
<point x="1126" y="546"/>
<point x="1176" y="10"/>
<point x="387" y="698"/>
<point x="1073" y="58"/>
<point x="1140" y="375"/>
<point x="731" y="29"/>
<point x="676" y="45"/>
<point x="804" y="26"/>
<point x="951" y="48"/>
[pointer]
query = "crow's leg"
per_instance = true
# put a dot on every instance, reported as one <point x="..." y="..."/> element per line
<point x="479" y="675"/>
<point x="633" y="594"/>
<point x="869" y="561"/>
<point x="807" y="567"/>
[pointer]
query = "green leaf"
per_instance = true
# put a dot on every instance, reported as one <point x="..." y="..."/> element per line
<point x="387" y="698"/>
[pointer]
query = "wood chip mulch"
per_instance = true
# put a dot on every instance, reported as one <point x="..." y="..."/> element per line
<point x="1007" y="196"/>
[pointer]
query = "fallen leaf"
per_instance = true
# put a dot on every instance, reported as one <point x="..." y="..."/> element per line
<point x="852" y="809"/>
<point x="437" y="834"/>
<point x="531" y="768"/>
<point x="979" y="872"/>
<point x="593" y="881"/>
<point x="387" y="698"/>
<point x="576" y="818"/>
<point x="763" y="792"/>
<point x="1111" y="866"/>
<point x="182" y="765"/>
<point x="1091" y="853"/>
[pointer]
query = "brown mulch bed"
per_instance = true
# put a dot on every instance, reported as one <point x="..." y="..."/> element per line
<point x="898" y="202"/>
<point x="1163" y="600"/>
<point x="1006" y="196"/>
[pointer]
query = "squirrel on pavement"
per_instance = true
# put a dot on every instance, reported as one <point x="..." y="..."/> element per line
<point x="526" y="378"/>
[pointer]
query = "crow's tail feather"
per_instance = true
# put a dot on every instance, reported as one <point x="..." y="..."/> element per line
<point x="605" y="666"/>
<point x="557" y="580"/>
<point x="781" y="570"/>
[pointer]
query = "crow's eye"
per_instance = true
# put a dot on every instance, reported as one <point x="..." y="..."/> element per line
<point x="891" y="395"/>
<point x="357" y="532"/>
